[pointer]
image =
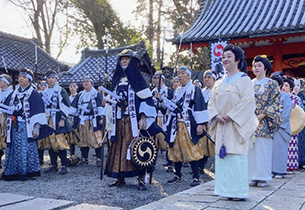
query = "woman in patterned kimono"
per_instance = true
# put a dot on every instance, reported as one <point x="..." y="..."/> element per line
<point x="267" y="98"/>
<point x="232" y="122"/>
<point x="25" y="126"/>
<point x="293" y="157"/>
<point x="301" y="143"/>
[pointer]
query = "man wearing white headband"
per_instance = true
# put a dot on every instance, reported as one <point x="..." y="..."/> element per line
<point x="71" y="138"/>
<point x="87" y="107"/>
<point x="6" y="91"/>
<point x="185" y="126"/>
<point x="162" y="90"/>
<point x="209" y="79"/>
<point x="176" y="83"/>
<point x="26" y="123"/>
<point x="57" y="106"/>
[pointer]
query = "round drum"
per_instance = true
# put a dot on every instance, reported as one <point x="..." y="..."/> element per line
<point x="143" y="152"/>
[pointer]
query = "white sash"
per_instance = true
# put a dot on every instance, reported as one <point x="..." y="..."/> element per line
<point x="189" y="92"/>
<point x="82" y="108"/>
<point x="132" y="111"/>
<point x="26" y="111"/>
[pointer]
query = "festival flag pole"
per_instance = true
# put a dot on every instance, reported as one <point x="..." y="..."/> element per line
<point x="36" y="63"/>
<point x="191" y="52"/>
<point x="105" y="85"/>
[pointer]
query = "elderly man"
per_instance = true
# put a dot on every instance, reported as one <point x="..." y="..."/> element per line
<point x="185" y="126"/>
<point x="209" y="79"/>
<point x="87" y="106"/>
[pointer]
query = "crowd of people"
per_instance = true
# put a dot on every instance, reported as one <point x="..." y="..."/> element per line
<point x="244" y="123"/>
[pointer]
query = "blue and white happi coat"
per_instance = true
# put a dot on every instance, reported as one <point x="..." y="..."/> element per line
<point x="167" y="93"/>
<point x="87" y="106"/>
<point x="28" y="107"/>
<point x="191" y="108"/>
<point x="136" y="105"/>
<point x="57" y="105"/>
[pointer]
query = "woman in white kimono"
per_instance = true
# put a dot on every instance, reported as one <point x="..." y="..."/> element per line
<point x="232" y="122"/>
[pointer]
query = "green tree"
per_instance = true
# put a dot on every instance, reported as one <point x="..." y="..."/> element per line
<point x="91" y="20"/>
<point x="182" y="15"/>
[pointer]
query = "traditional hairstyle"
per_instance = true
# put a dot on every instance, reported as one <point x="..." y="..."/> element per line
<point x="278" y="79"/>
<point x="290" y="81"/>
<point x="239" y="55"/>
<point x="265" y="60"/>
<point x="299" y="81"/>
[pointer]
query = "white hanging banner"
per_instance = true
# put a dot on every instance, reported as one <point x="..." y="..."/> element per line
<point x="216" y="56"/>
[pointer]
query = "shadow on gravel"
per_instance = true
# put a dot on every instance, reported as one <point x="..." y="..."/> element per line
<point x="83" y="185"/>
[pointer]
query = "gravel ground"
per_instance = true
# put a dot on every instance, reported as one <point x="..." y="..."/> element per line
<point x="83" y="185"/>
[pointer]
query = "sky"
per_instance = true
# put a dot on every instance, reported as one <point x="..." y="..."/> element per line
<point x="13" y="21"/>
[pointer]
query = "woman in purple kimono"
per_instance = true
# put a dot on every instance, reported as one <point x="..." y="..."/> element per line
<point x="293" y="156"/>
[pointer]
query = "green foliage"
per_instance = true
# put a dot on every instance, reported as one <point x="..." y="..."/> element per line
<point x="201" y="60"/>
<point x="91" y="21"/>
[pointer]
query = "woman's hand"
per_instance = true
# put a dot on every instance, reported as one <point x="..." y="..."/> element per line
<point x="227" y="118"/>
<point x="220" y="119"/>
<point x="261" y="116"/>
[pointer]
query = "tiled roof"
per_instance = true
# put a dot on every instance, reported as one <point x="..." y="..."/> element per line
<point x="245" y="19"/>
<point x="93" y="63"/>
<point x="19" y="52"/>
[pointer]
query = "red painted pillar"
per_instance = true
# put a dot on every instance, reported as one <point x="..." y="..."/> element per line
<point x="277" y="57"/>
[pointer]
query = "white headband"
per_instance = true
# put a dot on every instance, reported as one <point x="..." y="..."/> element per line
<point x="88" y="78"/>
<point x="51" y="75"/>
<point x="158" y="75"/>
<point x="74" y="84"/>
<point x="184" y="68"/>
<point x="27" y="75"/>
<point x="4" y="80"/>
<point x="210" y="73"/>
